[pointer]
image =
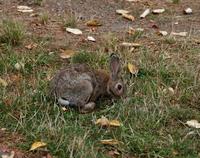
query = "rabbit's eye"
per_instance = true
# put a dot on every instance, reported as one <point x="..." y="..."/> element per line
<point x="119" y="87"/>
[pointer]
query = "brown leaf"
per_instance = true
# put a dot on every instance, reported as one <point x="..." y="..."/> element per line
<point x="110" y="142"/>
<point x="133" y="69"/>
<point x="31" y="46"/>
<point x="93" y="23"/>
<point x="113" y="153"/>
<point x="3" y="82"/>
<point x="128" y="16"/>
<point x="66" y="54"/>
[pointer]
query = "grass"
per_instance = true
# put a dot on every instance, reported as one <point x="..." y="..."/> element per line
<point x="153" y="119"/>
<point x="70" y="21"/>
<point x="38" y="2"/>
<point x="44" y="17"/>
<point x="11" y="32"/>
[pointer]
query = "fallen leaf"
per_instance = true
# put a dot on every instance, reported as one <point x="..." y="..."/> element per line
<point x="127" y="44"/>
<point x="8" y="155"/>
<point x="158" y="11"/>
<point x="133" y="69"/>
<point x="163" y="33"/>
<point x="110" y="142"/>
<point x="121" y="11"/>
<point x="113" y="153"/>
<point x="114" y="123"/>
<point x="74" y="31"/>
<point x="90" y="38"/>
<point x="19" y="66"/>
<point x="3" y="82"/>
<point x="37" y="145"/>
<point x="66" y="54"/>
<point x="24" y="9"/>
<point x="193" y="123"/>
<point x="128" y="16"/>
<point x="182" y="34"/>
<point x="31" y="46"/>
<point x="188" y="11"/>
<point x="93" y="22"/>
<point x="103" y="121"/>
<point x="64" y="109"/>
<point x="145" y="13"/>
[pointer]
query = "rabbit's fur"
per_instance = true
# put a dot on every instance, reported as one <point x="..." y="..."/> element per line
<point x="78" y="85"/>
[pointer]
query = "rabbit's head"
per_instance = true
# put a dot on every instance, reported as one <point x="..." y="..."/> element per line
<point x="115" y="86"/>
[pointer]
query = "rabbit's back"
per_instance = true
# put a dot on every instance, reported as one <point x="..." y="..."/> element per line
<point x="73" y="84"/>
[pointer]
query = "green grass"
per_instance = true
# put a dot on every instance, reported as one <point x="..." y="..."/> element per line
<point x="44" y="18"/>
<point x="11" y="32"/>
<point x="70" y="21"/>
<point x="153" y="119"/>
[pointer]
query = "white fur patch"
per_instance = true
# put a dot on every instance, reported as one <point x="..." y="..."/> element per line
<point x="63" y="102"/>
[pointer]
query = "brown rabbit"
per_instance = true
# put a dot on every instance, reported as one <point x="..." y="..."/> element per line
<point x="80" y="86"/>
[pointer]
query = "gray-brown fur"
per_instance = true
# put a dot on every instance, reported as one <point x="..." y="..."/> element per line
<point x="81" y="86"/>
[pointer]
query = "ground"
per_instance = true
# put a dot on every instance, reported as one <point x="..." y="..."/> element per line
<point x="159" y="100"/>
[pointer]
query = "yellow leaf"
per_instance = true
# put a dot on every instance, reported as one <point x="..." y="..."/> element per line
<point x="128" y="16"/>
<point x="110" y="142"/>
<point x="103" y="121"/>
<point x="67" y="54"/>
<point x="133" y="69"/>
<point x="3" y="82"/>
<point x="115" y="123"/>
<point x="93" y="22"/>
<point x="37" y="145"/>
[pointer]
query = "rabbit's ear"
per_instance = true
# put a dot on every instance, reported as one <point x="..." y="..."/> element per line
<point x="114" y="66"/>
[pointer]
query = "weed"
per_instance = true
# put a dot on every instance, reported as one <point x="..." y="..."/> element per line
<point x="70" y="21"/>
<point x="176" y="1"/>
<point x="44" y="18"/>
<point x="12" y="32"/>
<point x="38" y="2"/>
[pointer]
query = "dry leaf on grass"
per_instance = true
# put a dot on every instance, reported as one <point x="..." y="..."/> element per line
<point x="37" y="145"/>
<point x="31" y="46"/>
<point x="90" y="38"/>
<point x="103" y="121"/>
<point x="24" y="9"/>
<point x="66" y="54"/>
<point x="127" y="44"/>
<point x="19" y="66"/>
<point x="193" y="123"/>
<point x="3" y="82"/>
<point x="182" y="34"/>
<point x="93" y="22"/>
<point x="74" y="31"/>
<point x="8" y="155"/>
<point x="158" y="11"/>
<point x="121" y="11"/>
<point x="128" y="16"/>
<point x="145" y="13"/>
<point x="188" y="11"/>
<point x="110" y="142"/>
<point x="162" y="33"/>
<point x="133" y="69"/>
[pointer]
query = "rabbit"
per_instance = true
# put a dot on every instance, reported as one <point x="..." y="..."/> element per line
<point x="80" y="86"/>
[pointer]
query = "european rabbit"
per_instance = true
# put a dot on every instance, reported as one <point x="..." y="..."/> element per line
<point x="79" y="86"/>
